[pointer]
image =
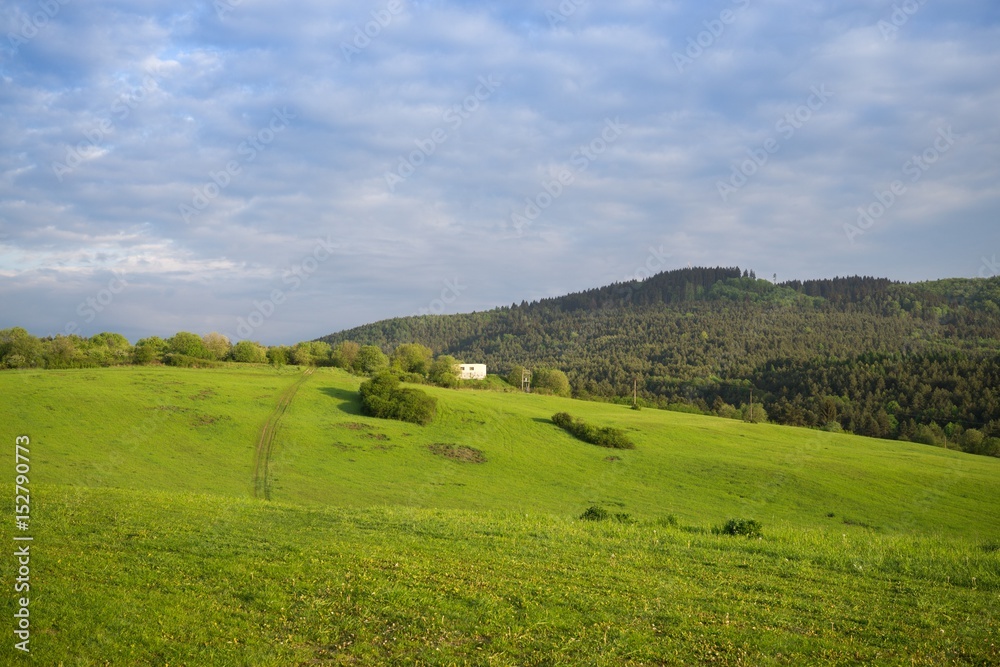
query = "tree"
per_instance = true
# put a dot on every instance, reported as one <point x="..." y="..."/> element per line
<point x="322" y="352"/>
<point x="382" y="397"/>
<point x="249" y="352"/>
<point x="218" y="346"/>
<point x="759" y="415"/>
<point x="108" y="349"/>
<point x="972" y="440"/>
<point x="444" y="371"/>
<point x="412" y="358"/>
<point x="188" y="344"/>
<point x="371" y="360"/>
<point x="278" y="355"/>
<point x="550" y="381"/>
<point x="302" y="355"/>
<point x="63" y="352"/>
<point x="148" y="350"/>
<point x="516" y="375"/>
<point x="345" y="354"/>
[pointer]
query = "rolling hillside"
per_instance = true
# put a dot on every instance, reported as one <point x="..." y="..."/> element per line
<point x="916" y="362"/>
<point x="460" y="542"/>
<point x="198" y="431"/>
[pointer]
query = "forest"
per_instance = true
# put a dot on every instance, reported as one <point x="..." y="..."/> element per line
<point x="918" y="362"/>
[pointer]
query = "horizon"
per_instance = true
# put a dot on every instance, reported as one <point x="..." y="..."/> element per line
<point x="93" y="303"/>
<point x="359" y="160"/>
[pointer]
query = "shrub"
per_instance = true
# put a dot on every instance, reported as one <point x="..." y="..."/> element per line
<point x="595" y="513"/>
<point x="601" y="436"/>
<point x="598" y="513"/>
<point x="747" y="527"/>
<point x="249" y="352"/>
<point x="184" y="361"/>
<point x="383" y="398"/>
<point x="550" y="381"/>
<point x="414" y="406"/>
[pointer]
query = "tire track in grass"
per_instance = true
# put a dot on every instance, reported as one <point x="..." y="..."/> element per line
<point x="262" y="454"/>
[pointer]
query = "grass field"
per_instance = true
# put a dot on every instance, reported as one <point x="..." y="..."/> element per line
<point x="459" y="543"/>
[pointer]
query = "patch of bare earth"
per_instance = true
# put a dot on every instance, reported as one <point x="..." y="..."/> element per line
<point x="459" y="453"/>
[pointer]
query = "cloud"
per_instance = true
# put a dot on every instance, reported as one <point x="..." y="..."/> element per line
<point x="119" y="115"/>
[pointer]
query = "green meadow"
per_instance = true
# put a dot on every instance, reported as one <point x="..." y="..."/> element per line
<point x="248" y="515"/>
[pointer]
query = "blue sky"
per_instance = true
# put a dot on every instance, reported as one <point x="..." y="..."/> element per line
<point x="280" y="172"/>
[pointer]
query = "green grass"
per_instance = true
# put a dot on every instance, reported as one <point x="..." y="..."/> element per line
<point x="379" y="548"/>
<point x="131" y="577"/>
<point x="703" y="469"/>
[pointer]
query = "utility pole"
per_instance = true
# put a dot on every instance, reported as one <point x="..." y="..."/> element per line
<point x="635" y="392"/>
<point x="751" y="405"/>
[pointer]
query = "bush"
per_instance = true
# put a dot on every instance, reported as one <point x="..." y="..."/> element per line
<point x="601" y="436"/>
<point x="550" y="381"/>
<point x="595" y="513"/>
<point x="383" y="398"/>
<point x="188" y="344"/>
<point x="747" y="527"/>
<point x="930" y="434"/>
<point x="414" y="406"/>
<point x="249" y="352"/>
<point x="444" y="371"/>
<point x="184" y="361"/>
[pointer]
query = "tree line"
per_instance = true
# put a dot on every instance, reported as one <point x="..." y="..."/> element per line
<point x="916" y="362"/>
<point x="409" y="362"/>
<point x="867" y="355"/>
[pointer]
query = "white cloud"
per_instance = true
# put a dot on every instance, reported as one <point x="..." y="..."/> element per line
<point x="217" y="82"/>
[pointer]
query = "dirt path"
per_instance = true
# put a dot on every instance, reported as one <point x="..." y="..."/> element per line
<point x="262" y="455"/>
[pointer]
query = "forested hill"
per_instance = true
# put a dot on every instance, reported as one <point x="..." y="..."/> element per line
<point x="873" y="356"/>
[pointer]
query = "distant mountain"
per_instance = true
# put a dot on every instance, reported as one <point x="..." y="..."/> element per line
<point x="917" y="361"/>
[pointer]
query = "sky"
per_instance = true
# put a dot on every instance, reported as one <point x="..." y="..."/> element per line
<point x="280" y="172"/>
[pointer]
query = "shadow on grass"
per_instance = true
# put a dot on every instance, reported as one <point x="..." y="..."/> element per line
<point x="542" y="420"/>
<point x="350" y="402"/>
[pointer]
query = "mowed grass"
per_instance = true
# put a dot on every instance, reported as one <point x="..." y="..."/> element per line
<point x="130" y="578"/>
<point x="196" y="430"/>
<point x="169" y="429"/>
<point x="701" y="469"/>
<point x="378" y="549"/>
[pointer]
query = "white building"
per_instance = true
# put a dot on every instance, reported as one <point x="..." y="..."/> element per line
<point x="472" y="371"/>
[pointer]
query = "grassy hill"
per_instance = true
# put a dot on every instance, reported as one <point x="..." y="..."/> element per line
<point x="459" y="542"/>
<point x="914" y="362"/>
<point x="197" y="430"/>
